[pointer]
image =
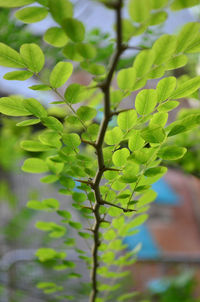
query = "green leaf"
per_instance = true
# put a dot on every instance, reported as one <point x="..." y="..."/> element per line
<point x="70" y="51"/>
<point x="109" y="235"/>
<point x="128" y="30"/>
<point x="72" y="140"/>
<point x="10" y="57"/>
<point x="155" y="171"/>
<point x="75" y="225"/>
<point x="74" y="29"/>
<point x="34" y="165"/>
<point x="157" y="18"/>
<point x="181" y="4"/>
<point x="183" y="125"/>
<point x="153" y="134"/>
<point x="55" y="36"/>
<point x="187" y="35"/>
<point x="146" y="101"/>
<point x="35" y="107"/>
<point x="143" y="62"/>
<point x="50" y="138"/>
<point x="120" y="156"/>
<point x="187" y="88"/>
<point x="43" y="2"/>
<point x="85" y="235"/>
<point x="64" y="214"/>
<point x="60" y="9"/>
<point x="126" y="297"/>
<point x="136" y="142"/>
<point x="167" y="106"/>
<point x="126" y="78"/>
<point x="33" y="146"/>
<point x="126" y="120"/>
<point x="165" y="88"/>
<point x="52" y="123"/>
<point x="56" y="231"/>
<point x="48" y="205"/>
<point x="28" y="123"/>
<point x="31" y="14"/>
<point x="54" y="166"/>
<point x="144" y="155"/>
<point x="113" y="136"/>
<point x="139" y="11"/>
<point x="137" y="221"/>
<point x="116" y="97"/>
<point x="146" y="198"/>
<point x="129" y="174"/>
<point x="93" y="68"/>
<point x="32" y="56"/>
<point x="172" y="152"/>
<point x="19" y="75"/>
<point x="79" y="197"/>
<point x="156" y="72"/>
<point x="75" y="93"/>
<point x="40" y="87"/>
<point x="194" y="46"/>
<point x="86" y="113"/>
<point x="86" y="50"/>
<point x="49" y="179"/>
<point x="60" y="74"/>
<point x="176" y="62"/>
<point x="13" y="106"/>
<point x="164" y="48"/>
<point x="49" y="287"/>
<point x="15" y="3"/>
<point x="159" y="118"/>
<point x="156" y="4"/>
<point x="46" y="254"/>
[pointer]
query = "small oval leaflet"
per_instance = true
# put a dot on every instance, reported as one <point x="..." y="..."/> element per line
<point x="74" y="29"/>
<point x="60" y="74"/>
<point x="146" y="101"/>
<point x="32" y="56"/>
<point x="56" y="37"/>
<point x="31" y="14"/>
<point x="34" y="165"/>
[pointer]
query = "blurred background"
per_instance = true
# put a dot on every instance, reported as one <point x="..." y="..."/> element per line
<point x="168" y="267"/>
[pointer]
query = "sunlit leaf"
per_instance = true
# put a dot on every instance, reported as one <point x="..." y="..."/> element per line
<point x="19" y="75"/>
<point x="60" y="74"/>
<point x="32" y="56"/>
<point x="172" y="152"/>
<point x="55" y="36"/>
<point x="10" y="57"/>
<point x="34" y="165"/>
<point x="120" y="156"/>
<point x="60" y="9"/>
<point x="74" y="29"/>
<point x="31" y="14"/>
<point x="146" y="101"/>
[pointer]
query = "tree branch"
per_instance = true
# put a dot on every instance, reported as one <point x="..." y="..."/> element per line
<point x="120" y="111"/>
<point x="116" y="206"/>
<point x="99" y="150"/>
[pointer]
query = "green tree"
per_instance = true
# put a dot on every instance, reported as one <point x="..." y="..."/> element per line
<point x="113" y="167"/>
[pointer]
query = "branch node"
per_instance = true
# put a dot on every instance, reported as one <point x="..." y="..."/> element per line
<point x="87" y="182"/>
<point x="88" y="142"/>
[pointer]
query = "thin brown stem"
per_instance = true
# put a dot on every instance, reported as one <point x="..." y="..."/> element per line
<point x="99" y="150"/>
<point x="103" y="202"/>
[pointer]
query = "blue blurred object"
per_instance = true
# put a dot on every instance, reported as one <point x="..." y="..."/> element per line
<point x="149" y="249"/>
<point x="166" y="194"/>
<point x="157" y="286"/>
